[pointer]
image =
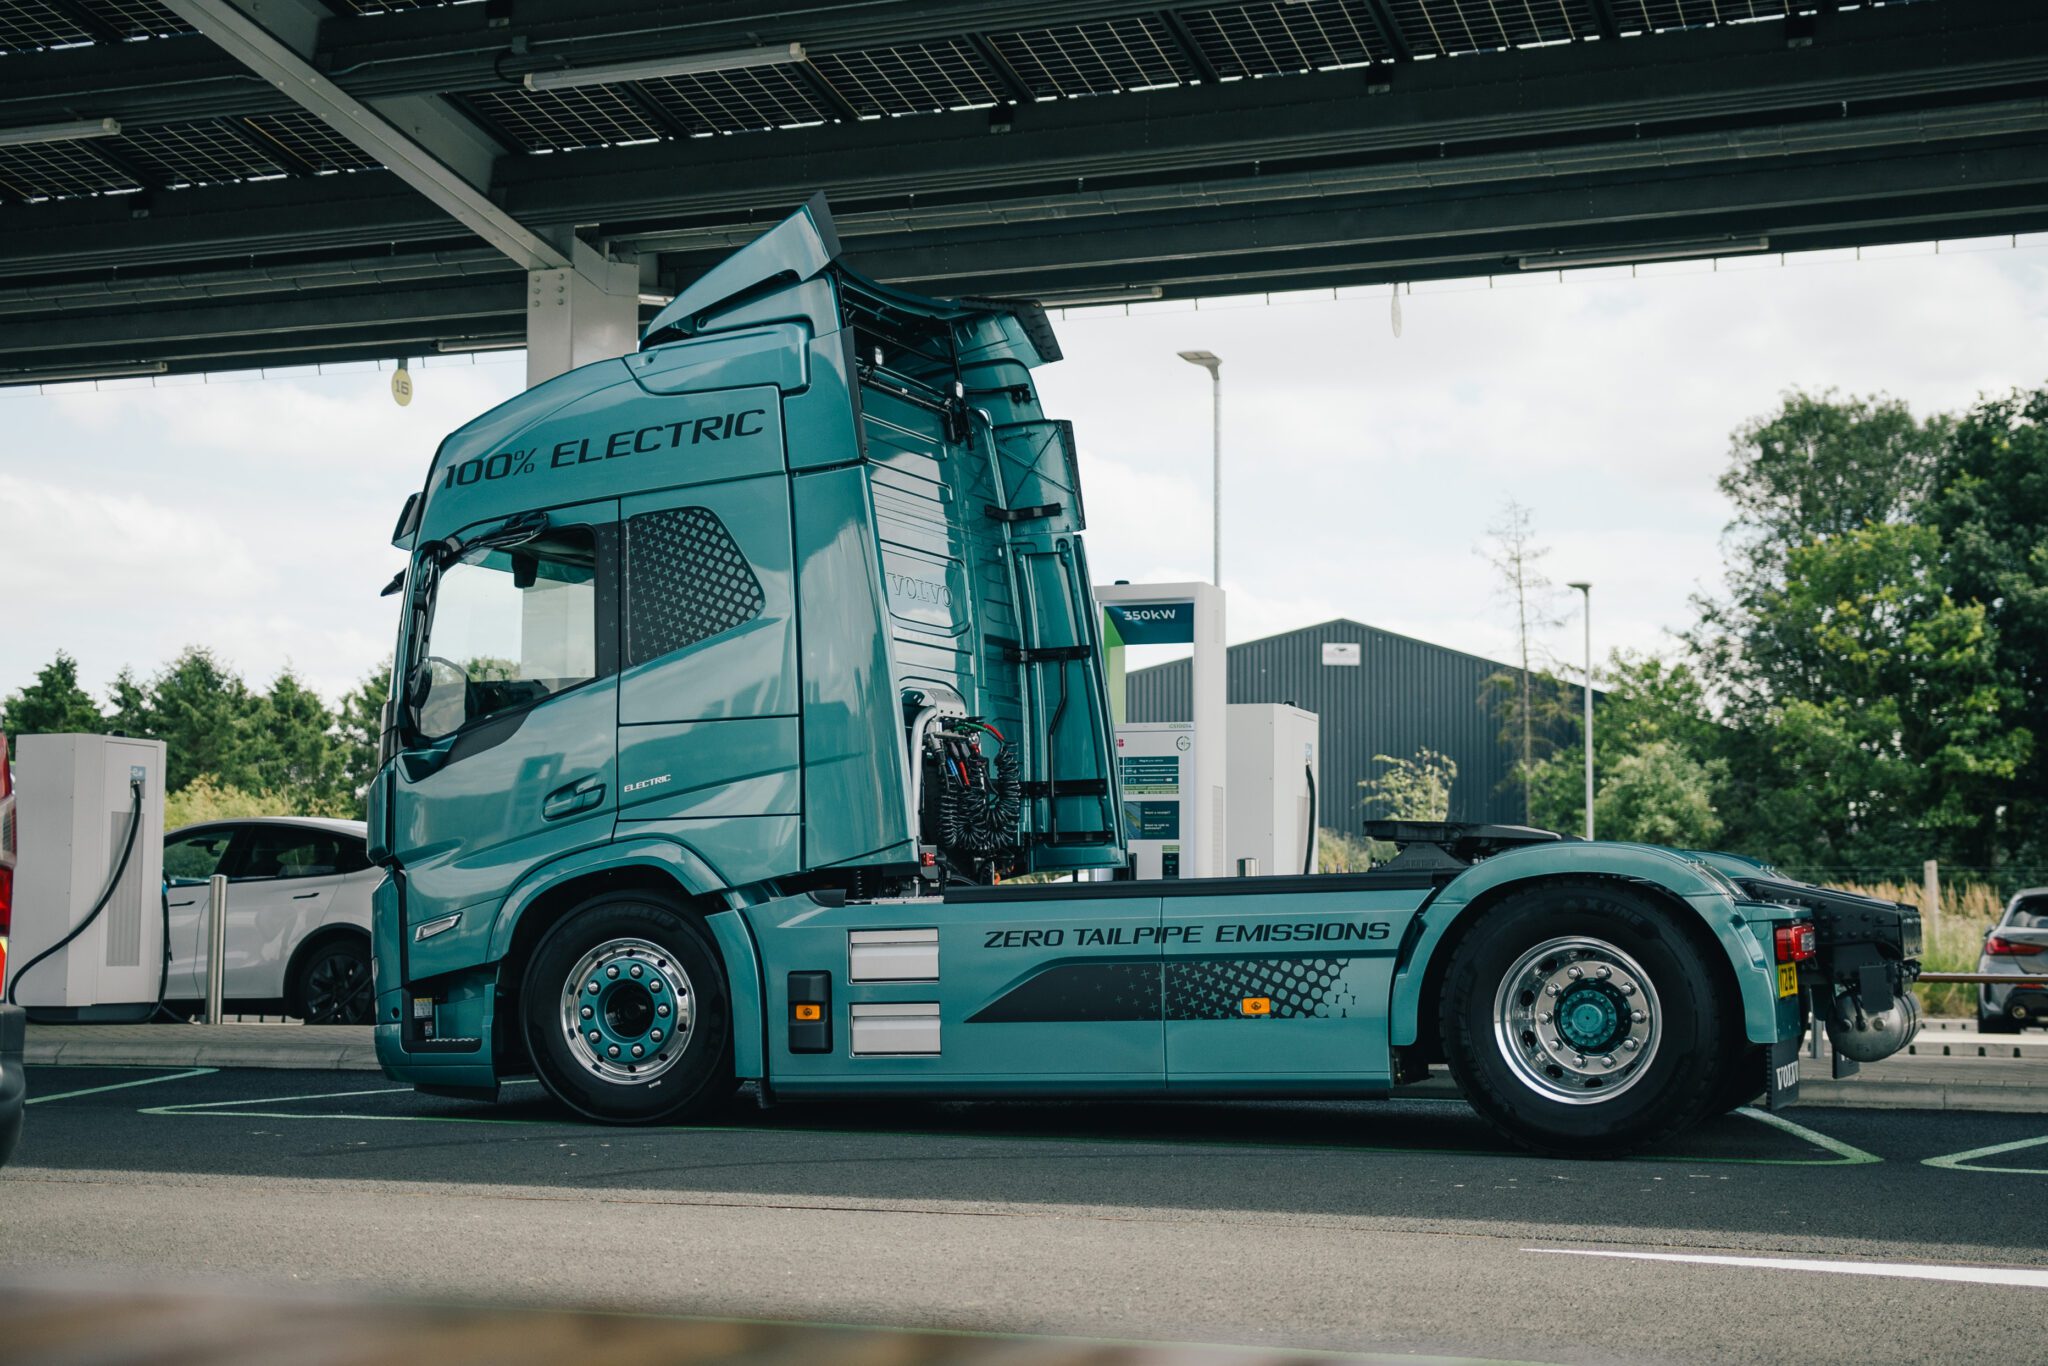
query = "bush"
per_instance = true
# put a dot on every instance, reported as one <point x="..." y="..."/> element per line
<point x="205" y="798"/>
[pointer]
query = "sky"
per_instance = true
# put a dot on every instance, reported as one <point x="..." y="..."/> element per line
<point x="1362" y="469"/>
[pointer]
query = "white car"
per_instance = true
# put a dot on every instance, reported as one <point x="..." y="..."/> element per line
<point x="298" y="932"/>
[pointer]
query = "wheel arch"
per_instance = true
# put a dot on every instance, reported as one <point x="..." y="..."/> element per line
<point x="656" y="866"/>
<point x="1693" y="898"/>
<point x="548" y="905"/>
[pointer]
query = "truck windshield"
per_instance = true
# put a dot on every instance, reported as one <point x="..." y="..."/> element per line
<point x="510" y="627"/>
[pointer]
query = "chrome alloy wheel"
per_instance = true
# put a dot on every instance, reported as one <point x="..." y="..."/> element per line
<point x="627" y="1010"/>
<point x="1577" y="1020"/>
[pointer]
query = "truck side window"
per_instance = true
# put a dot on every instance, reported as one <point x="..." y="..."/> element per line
<point x="510" y="628"/>
<point x="686" y="581"/>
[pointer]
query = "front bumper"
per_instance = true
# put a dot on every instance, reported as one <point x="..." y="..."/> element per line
<point x="13" y="1078"/>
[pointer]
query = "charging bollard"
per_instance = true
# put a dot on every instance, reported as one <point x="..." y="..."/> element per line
<point x="216" y="944"/>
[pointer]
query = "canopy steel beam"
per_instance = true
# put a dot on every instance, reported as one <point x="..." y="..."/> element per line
<point x="427" y="159"/>
<point x="1800" y="203"/>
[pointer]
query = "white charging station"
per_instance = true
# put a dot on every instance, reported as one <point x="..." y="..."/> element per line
<point x="1172" y="772"/>
<point x="76" y="805"/>
<point x="1274" y="810"/>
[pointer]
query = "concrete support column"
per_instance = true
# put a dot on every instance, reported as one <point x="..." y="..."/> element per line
<point x="576" y="316"/>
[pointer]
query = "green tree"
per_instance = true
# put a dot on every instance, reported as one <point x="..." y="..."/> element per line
<point x="203" y="712"/>
<point x="1644" y="702"/>
<point x="1990" y="503"/>
<point x="129" y="697"/>
<point x="1659" y="794"/>
<point x="1825" y="466"/>
<point x="52" y="705"/>
<point x="1415" y="789"/>
<point x="293" y="748"/>
<point x="362" y="724"/>
<point x="1873" y="726"/>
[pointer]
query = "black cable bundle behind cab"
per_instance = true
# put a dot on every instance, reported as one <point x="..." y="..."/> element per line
<point x="979" y="802"/>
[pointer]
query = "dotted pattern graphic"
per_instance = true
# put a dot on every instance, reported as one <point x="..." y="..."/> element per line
<point x="1193" y="989"/>
<point x="1300" y="988"/>
<point x="686" y="581"/>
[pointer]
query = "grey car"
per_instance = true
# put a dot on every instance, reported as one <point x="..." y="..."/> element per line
<point x="2017" y="946"/>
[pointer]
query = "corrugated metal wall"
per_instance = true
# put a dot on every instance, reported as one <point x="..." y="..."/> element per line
<point x="1402" y="696"/>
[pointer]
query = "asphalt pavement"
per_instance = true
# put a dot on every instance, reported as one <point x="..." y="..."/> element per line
<point x="1392" y="1227"/>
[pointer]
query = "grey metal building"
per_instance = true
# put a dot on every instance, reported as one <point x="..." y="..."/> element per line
<point x="1402" y="695"/>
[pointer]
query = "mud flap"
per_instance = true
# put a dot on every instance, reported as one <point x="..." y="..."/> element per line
<point x="1784" y="1079"/>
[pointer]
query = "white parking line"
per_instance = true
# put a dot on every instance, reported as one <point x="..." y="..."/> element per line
<point x="1850" y="1155"/>
<point x="122" y="1085"/>
<point x="1911" y="1271"/>
<point x="1964" y="1162"/>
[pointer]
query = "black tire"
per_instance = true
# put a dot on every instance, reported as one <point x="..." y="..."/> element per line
<point x="679" y="961"/>
<point x="1998" y="1024"/>
<point x="333" y="985"/>
<point x="1538" y="1089"/>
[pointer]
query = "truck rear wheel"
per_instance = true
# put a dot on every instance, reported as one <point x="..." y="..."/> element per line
<point x="626" y="1015"/>
<point x="1582" y="1021"/>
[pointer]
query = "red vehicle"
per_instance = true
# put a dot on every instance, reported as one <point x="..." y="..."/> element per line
<point x="12" y="1081"/>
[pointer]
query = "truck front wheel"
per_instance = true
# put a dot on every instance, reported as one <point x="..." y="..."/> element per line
<point x="1583" y="1022"/>
<point x="626" y="1015"/>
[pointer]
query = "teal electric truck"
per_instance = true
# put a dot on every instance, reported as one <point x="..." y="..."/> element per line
<point x="742" y="683"/>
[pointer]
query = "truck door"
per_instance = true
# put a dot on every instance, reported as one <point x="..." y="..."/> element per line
<point x="510" y="759"/>
<point x="708" y="742"/>
<point x="1280" y="988"/>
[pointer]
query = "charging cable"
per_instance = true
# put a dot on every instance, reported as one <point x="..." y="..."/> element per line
<point x="127" y="849"/>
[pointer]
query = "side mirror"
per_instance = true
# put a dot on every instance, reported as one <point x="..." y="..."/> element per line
<point x="418" y="684"/>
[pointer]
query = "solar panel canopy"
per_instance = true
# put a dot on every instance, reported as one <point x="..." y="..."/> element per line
<point x="1076" y="152"/>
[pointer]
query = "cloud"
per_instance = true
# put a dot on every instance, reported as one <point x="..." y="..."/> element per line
<point x="1361" y="470"/>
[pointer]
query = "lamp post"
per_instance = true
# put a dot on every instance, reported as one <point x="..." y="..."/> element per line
<point x="1586" y="590"/>
<point x="1213" y="363"/>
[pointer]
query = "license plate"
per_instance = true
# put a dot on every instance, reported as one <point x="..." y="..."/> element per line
<point x="1788" y="979"/>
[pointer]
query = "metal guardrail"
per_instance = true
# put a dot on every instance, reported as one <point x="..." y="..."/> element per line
<point x="1992" y="979"/>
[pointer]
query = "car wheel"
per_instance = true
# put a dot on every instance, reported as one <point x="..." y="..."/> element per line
<point x="1582" y="1021"/>
<point x="334" y="984"/>
<point x="626" y="1014"/>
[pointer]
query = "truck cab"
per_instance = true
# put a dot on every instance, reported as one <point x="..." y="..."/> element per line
<point x="738" y="681"/>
